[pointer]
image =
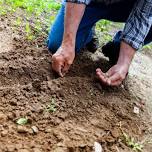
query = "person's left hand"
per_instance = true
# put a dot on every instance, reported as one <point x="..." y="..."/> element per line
<point x="114" y="76"/>
<point x="62" y="60"/>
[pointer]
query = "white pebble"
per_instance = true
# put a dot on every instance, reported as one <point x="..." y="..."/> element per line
<point x="136" y="110"/>
<point x="97" y="147"/>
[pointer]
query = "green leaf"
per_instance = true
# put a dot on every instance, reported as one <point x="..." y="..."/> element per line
<point x="22" y="121"/>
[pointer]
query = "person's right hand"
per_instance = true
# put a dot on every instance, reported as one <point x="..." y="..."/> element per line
<point x="62" y="60"/>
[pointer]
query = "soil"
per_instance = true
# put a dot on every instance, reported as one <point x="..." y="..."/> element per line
<point x="85" y="111"/>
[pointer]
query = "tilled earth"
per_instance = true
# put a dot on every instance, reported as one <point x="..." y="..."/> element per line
<point x="69" y="114"/>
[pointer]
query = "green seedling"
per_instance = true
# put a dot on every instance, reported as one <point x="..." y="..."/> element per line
<point x="18" y="21"/>
<point x="149" y="47"/>
<point x="28" y="31"/>
<point x="130" y="142"/>
<point x="52" y="107"/>
<point x="36" y="14"/>
<point x="22" y="121"/>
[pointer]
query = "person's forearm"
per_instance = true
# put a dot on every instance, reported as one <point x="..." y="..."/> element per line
<point x="73" y="15"/>
<point x="126" y="54"/>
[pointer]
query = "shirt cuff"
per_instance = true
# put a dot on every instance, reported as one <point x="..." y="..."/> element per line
<point x="134" y="43"/>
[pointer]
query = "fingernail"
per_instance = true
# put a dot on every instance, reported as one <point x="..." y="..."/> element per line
<point x="98" y="69"/>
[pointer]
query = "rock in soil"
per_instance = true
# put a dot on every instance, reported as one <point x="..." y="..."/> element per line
<point x="11" y="148"/>
<point x="115" y="132"/>
<point x="4" y="133"/>
<point x="34" y="129"/>
<point x="22" y="129"/>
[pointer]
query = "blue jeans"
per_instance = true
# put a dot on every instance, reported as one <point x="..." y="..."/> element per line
<point x="117" y="12"/>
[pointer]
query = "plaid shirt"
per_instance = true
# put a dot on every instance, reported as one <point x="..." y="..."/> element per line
<point x="138" y="24"/>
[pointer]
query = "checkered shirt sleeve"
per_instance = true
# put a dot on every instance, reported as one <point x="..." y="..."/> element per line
<point x="138" y="24"/>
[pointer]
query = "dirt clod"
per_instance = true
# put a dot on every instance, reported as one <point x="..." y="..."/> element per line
<point x="115" y="132"/>
<point x="22" y="129"/>
<point x="23" y="150"/>
<point x="3" y="117"/>
<point x="4" y="133"/>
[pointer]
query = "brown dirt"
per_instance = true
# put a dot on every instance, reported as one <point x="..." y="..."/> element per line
<point x="85" y="112"/>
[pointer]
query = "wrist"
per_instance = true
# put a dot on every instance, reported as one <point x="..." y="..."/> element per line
<point x="126" y="54"/>
<point x="67" y="48"/>
<point x="68" y="43"/>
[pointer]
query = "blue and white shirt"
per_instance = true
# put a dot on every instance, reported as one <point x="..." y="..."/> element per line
<point x="138" y="24"/>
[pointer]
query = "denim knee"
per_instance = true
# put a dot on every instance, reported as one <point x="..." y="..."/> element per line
<point x="52" y="46"/>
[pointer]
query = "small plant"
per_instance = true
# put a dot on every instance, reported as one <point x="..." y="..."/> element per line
<point x="36" y="18"/>
<point x="149" y="47"/>
<point x="18" y="21"/>
<point x="22" y="121"/>
<point x="129" y="141"/>
<point x="28" y="31"/>
<point x="52" y="107"/>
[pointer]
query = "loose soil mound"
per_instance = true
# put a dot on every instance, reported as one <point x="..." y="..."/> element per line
<point x="84" y="110"/>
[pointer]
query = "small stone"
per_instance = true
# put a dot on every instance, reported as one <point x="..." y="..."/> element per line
<point x="11" y="148"/>
<point x="115" y="133"/>
<point x="16" y="38"/>
<point x="22" y="129"/>
<point x="19" y="146"/>
<point x="110" y="139"/>
<point x="13" y="102"/>
<point x="136" y="110"/>
<point x="35" y="129"/>
<point x="4" y="133"/>
<point x="1" y="127"/>
<point x="63" y="116"/>
<point x="97" y="147"/>
<point x="49" y="130"/>
<point x="11" y="115"/>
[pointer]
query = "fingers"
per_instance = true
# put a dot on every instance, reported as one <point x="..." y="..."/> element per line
<point x="111" y="78"/>
<point x="57" y="68"/>
<point x="60" y="65"/>
<point x="65" y="68"/>
<point x="102" y="76"/>
<point x="115" y="83"/>
<point x="57" y="65"/>
<point x="62" y="60"/>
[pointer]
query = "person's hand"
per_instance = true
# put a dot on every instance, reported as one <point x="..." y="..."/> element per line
<point x="114" y="76"/>
<point x="62" y="60"/>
